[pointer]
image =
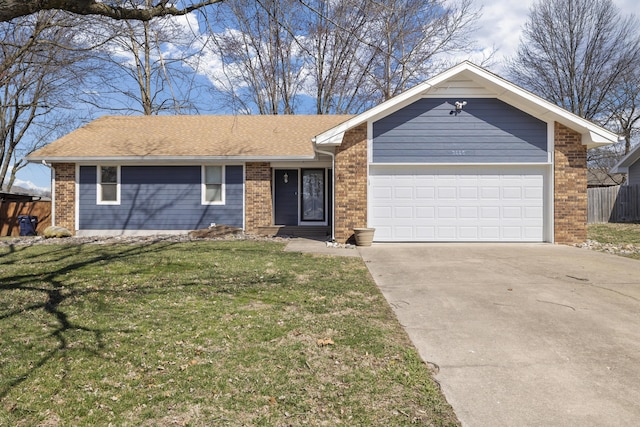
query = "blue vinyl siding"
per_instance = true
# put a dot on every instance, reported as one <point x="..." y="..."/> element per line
<point x="160" y="198"/>
<point x="633" y="177"/>
<point x="485" y="131"/>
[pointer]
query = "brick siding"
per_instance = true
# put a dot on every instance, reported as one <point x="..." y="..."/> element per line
<point x="65" y="195"/>
<point x="570" y="186"/>
<point x="258" y="200"/>
<point x="351" y="183"/>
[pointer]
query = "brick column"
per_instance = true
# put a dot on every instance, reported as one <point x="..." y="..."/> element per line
<point x="351" y="183"/>
<point x="570" y="186"/>
<point x="258" y="200"/>
<point x="65" y="195"/>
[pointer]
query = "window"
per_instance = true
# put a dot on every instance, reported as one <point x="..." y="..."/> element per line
<point x="212" y="185"/>
<point x="108" y="185"/>
<point x="313" y="200"/>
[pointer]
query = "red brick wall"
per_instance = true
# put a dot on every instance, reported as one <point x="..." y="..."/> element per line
<point x="258" y="200"/>
<point x="570" y="186"/>
<point x="351" y="183"/>
<point x="65" y="195"/>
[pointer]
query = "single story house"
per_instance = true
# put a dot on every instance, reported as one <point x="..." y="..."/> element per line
<point x="598" y="178"/>
<point x="464" y="156"/>
<point x="629" y="164"/>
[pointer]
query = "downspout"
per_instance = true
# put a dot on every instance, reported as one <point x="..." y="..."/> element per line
<point x="333" y="189"/>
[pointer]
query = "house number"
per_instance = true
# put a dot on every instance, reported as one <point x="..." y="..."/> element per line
<point x="457" y="152"/>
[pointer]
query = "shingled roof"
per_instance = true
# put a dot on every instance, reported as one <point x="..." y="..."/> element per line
<point x="190" y="137"/>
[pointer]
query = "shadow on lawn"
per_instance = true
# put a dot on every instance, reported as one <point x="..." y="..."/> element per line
<point x="56" y="293"/>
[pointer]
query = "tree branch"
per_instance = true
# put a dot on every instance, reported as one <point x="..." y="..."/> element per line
<point x="10" y="9"/>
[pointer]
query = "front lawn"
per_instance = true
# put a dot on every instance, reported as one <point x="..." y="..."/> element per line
<point x="617" y="234"/>
<point x="202" y="333"/>
<point x="616" y="238"/>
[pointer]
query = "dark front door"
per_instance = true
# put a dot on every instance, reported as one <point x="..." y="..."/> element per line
<point x="286" y="196"/>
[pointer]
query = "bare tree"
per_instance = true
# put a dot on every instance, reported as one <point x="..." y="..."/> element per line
<point x="624" y="107"/>
<point x="38" y="75"/>
<point x="622" y="113"/>
<point x="344" y="55"/>
<point x="410" y="36"/>
<point x="142" y="66"/>
<point x="336" y="62"/>
<point x="258" y="56"/>
<point x="574" y="53"/>
<point x="114" y="9"/>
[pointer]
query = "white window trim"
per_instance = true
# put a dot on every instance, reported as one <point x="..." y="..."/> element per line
<point x="99" y="200"/>
<point x="203" y="187"/>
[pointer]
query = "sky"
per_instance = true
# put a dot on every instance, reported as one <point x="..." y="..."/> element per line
<point x="502" y="20"/>
<point x="499" y="28"/>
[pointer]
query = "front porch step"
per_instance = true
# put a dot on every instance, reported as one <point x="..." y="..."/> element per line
<point x="317" y="232"/>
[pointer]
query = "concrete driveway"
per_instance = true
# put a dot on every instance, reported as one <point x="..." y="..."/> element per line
<point x="523" y="334"/>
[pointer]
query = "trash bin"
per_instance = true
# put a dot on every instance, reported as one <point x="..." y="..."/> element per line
<point x="28" y="225"/>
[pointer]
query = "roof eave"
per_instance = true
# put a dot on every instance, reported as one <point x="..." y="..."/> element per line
<point x="593" y="135"/>
<point x="623" y="165"/>
<point x="165" y="159"/>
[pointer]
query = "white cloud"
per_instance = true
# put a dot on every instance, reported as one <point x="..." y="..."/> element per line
<point x="29" y="186"/>
<point x="502" y="20"/>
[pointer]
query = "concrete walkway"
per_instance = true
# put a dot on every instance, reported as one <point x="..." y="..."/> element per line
<point x="311" y="246"/>
<point x="524" y="335"/>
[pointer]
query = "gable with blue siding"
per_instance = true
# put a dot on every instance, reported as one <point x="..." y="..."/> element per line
<point x="159" y="198"/>
<point x="487" y="130"/>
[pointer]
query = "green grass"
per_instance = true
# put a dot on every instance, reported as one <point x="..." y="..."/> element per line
<point x="619" y="235"/>
<point x="202" y="333"/>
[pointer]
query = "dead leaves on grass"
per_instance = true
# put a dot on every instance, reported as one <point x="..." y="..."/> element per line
<point x="323" y="342"/>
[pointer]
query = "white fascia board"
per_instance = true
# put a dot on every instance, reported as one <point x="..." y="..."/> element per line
<point x="594" y="139"/>
<point x="165" y="160"/>
<point x="593" y="135"/>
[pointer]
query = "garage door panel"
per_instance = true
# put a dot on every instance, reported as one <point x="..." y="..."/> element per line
<point x="468" y="193"/>
<point x="490" y="212"/>
<point x="446" y="212"/>
<point x="533" y="193"/>
<point x="490" y="233"/>
<point x="403" y="233"/>
<point x="425" y="212"/>
<point x="466" y="212"/>
<point x="425" y="192"/>
<point x="403" y="212"/>
<point x="457" y="204"/>
<point x="425" y="233"/>
<point x="447" y="192"/>
<point x="468" y="233"/>
<point x="382" y="212"/>
<point x="383" y="192"/>
<point x="489" y="192"/>
<point x="511" y="192"/>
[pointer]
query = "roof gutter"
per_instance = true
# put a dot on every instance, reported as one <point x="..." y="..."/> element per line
<point x="164" y="159"/>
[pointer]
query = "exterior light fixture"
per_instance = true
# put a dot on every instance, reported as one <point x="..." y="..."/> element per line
<point x="459" y="106"/>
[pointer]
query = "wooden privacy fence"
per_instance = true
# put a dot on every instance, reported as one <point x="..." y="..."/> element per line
<point x="620" y="203"/>
<point x="10" y="211"/>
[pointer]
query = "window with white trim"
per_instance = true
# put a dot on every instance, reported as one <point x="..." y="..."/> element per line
<point x="212" y="185"/>
<point x="108" y="190"/>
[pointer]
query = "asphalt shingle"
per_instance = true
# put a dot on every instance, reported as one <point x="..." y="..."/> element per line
<point x="113" y="137"/>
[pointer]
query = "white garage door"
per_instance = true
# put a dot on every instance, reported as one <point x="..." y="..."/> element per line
<point x="457" y="203"/>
